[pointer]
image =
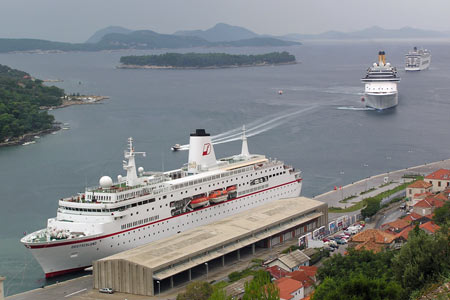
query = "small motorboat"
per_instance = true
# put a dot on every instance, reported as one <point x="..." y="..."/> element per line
<point x="176" y="147"/>
<point x="280" y="92"/>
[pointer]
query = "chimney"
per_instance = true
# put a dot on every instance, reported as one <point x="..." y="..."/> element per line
<point x="244" y="151"/>
<point x="201" y="152"/>
<point x="381" y="58"/>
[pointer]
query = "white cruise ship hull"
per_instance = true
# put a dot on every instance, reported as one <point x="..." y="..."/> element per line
<point x="381" y="101"/>
<point x="57" y="258"/>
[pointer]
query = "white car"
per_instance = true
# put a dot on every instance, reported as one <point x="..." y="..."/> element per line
<point x="106" y="290"/>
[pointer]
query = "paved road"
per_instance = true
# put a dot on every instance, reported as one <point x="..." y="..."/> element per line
<point x="333" y="197"/>
<point x="60" y="291"/>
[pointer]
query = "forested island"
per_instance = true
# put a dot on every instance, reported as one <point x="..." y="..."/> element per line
<point x="205" y="60"/>
<point x="20" y="98"/>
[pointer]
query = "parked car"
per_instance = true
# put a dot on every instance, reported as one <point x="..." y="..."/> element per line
<point x="341" y="241"/>
<point x="106" y="290"/>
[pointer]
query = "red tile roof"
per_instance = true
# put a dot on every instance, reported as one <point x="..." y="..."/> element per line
<point x="370" y="246"/>
<point x="396" y="225"/>
<point x="441" y="174"/>
<point x="405" y="233"/>
<point x="430" y="202"/>
<point x="287" y="286"/>
<point x="302" y="277"/>
<point x="375" y="235"/>
<point x="420" y="184"/>
<point x="423" y="195"/>
<point x="441" y="196"/>
<point x="430" y="227"/>
<point x="276" y="272"/>
<point x="311" y="271"/>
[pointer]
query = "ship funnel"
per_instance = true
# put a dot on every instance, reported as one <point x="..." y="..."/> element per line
<point x="381" y="58"/>
<point x="201" y="152"/>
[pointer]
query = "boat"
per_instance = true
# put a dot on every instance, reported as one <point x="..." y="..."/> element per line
<point x="417" y="60"/>
<point x="218" y="196"/>
<point x="28" y="143"/>
<point x="145" y="206"/>
<point x="176" y="147"/>
<point x="381" y="84"/>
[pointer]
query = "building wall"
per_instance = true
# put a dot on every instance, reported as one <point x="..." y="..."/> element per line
<point x="410" y="192"/>
<point x="438" y="185"/>
<point x="423" y="211"/>
<point x="123" y="276"/>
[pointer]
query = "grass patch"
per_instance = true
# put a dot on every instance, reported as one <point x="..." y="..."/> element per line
<point x="368" y="191"/>
<point x="386" y="184"/>
<point x="235" y="276"/>
<point x="346" y="199"/>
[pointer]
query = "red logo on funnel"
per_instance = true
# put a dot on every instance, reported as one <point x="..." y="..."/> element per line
<point x="206" y="149"/>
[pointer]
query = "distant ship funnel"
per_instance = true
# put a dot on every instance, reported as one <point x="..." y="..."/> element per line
<point x="201" y="152"/>
<point x="244" y="151"/>
<point x="381" y="58"/>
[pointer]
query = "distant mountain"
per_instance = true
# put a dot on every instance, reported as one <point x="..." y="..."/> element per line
<point x="147" y="39"/>
<point x="98" y="35"/>
<point x="221" y="32"/>
<point x="374" y="32"/>
<point x="258" y="42"/>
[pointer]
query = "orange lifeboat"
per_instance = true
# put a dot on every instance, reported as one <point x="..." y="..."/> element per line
<point x="218" y="196"/>
<point x="199" y="202"/>
<point x="231" y="188"/>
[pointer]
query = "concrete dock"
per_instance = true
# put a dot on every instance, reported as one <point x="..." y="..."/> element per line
<point x="81" y="288"/>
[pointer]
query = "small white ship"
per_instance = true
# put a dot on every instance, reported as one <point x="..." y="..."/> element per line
<point x="417" y="60"/>
<point x="142" y="207"/>
<point x="381" y="84"/>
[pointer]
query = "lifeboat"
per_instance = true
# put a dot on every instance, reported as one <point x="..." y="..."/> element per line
<point x="199" y="202"/>
<point x="218" y="196"/>
<point x="231" y="188"/>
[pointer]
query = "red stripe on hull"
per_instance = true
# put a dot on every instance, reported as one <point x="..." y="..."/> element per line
<point x="62" y="272"/>
<point x="137" y="227"/>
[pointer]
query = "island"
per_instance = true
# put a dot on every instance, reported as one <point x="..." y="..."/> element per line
<point x="204" y="60"/>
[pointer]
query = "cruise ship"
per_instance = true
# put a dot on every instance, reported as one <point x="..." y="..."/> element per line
<point x="381" y="84"/>
<point x="417" y="60"/>
<point x="142" y="207"/>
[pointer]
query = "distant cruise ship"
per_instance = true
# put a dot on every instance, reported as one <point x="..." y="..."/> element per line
<point x="381" y="84"/>
<point x="417" y="60"/>
<point x="146" y="206"/>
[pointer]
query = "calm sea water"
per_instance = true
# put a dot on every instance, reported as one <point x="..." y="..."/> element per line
<point x="161" y="107"/>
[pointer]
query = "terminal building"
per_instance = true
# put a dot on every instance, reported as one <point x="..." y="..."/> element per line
<point x="175" y="260"/>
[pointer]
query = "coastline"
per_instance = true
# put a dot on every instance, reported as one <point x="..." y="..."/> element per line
<point x="79" y="100"/>
<point x="56" y="126"/>
<point x="123" y="66"/>
<point x="30" y="136"/>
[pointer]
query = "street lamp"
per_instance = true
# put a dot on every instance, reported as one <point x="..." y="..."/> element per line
<point x="206" y="264"/>
<point x="159" y="287"/>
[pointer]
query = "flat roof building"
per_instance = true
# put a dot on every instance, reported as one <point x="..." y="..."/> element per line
<point x="142" y="270"/>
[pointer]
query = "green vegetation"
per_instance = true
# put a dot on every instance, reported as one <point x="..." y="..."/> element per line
<point x="354" y="207"/>
<point x="348" y="198"/>
<point x="196" y="290"/>
<point x="368" y="191"/>
<point x="290" y="249"/>
<point x="261" y="288"/>
<point x="389" y="274"/>
<point x="204" y="60"/>
<point x="20" y="99"/>
<point x="442" y="214"/>
<point x="316" y="257"/>
<point x="235" y="276"/>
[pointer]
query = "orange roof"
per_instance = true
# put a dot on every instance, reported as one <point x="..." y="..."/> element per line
<point x="441" y="174"/>
<point x="430" y="202"/>
<point x="302" y="277"/>
<point x="420" y="184"/>
<point x="422" y="195"/>
<point x="430" y="227"/>
<point x="441" y="196"/>
<point x="405" y="232"/>
<point x="287" y="286"/>
<point x="276" y="272"/>
<point x="370" y="246"/>
<point x="375" y="235"/>
<point x="397" y="224"/>
<point x="310" y="270"/>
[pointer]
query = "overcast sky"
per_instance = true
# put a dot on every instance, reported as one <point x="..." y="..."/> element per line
<point x="77" y="20"/>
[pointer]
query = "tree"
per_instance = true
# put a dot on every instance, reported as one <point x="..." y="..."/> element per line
<point x="219" y="294"/>
<point x="196" y="290"/>
<point x="442" y="214"/>
<point x="373" y="206"/>
<point x="422" y="260"/>
<point x="261" y="288"/>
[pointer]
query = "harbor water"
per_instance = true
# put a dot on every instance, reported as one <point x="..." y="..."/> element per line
<point x="318" y="124"/>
